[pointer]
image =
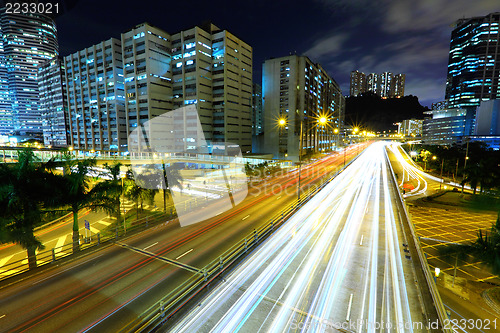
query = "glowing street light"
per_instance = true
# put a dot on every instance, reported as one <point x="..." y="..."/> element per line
<point x="282" y="122"/>
<point x="322" y="120"/>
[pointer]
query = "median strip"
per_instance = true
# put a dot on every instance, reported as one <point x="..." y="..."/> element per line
<point x="170" y="261"/>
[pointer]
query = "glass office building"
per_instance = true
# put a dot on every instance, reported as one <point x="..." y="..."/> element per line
<point x="27" y="40"/>
<point x="474" y="67"/>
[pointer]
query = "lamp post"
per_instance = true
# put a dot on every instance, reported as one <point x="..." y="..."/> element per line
<point x="124" y="221"/>
<point x="465" y="164"/>
<point x="442" y="179"/>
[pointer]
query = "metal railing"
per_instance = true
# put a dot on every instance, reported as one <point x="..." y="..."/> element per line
<point x="57" y="253"/>
<point x="436" y="297"/>
<point x="165" y="308"/>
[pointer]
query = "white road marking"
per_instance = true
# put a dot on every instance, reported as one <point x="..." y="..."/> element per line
<point x="245" y="217"/>
<point x="147" y="247"/>
<point x="94" y="230"/>
<point x="219" y="213"/>
<point x="2" y="316"/>
<point x="4" y="260"/>
<point x="103" y="222"/>
<point x="278" y="197"/>
<point x="60" y="243"/>
<point x="182" y="255"/>
<point x="349" y="309"/>
<point x="361" y="242"/>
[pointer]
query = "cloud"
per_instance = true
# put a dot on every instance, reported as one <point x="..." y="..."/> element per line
<point x="419" y="15"/>
<point x="329" y="46"/>
<point x="428" y="90"/>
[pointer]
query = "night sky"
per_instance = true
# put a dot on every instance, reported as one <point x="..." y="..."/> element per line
<point x="400" y="36"/>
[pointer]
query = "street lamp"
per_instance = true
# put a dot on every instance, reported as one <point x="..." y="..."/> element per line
<point x="124" y="222"/>
<point x="322" y="120"/>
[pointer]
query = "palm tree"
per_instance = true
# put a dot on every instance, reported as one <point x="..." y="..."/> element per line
<point x="139" y="190"/>
<point x="113" y="171"/>
<point x="171" y="178"/>
<point x="28" y="190"/>
<point x="80" y="194"/>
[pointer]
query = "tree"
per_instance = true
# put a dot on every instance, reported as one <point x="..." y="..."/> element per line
<point x="80" y="194"/>
<point x="28" y="190"/>
<point x="113" y="177"/>
<point x="139" y="190"/>
<point x="172" y="174"/>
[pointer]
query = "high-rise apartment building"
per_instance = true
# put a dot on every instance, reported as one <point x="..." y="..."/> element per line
<point x="117" y="85"/>
<point x="300" y="92"/>
<point x="96" y="97"/>
<point x="398" y="86"/>
<point x="53" y="103"/>
<point x="385" y="85"/>
<point x="212" y="68"/>
<point x="146" y="52"/>
<point x="257" y="124"/>
<point x="27" y="41"/>
<point x="474" y="64"/>
<point x="358" y="83"/>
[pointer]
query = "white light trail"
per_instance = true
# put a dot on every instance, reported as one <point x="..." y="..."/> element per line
<point x="312" y="270"/>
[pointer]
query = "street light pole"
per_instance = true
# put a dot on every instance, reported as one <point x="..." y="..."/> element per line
<point x="465" y="164"/>
<point x="442" y="179"/>
<point x="300" y="159"/>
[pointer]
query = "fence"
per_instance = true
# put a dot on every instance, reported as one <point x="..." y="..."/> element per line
<point x="431" y="285"/>
<point x="57" y="253"/>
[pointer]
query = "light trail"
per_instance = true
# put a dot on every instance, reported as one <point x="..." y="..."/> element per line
<point x="312" y="274"/>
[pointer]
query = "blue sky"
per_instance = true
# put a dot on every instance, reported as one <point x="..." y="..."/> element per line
<point x="400" y="36"/>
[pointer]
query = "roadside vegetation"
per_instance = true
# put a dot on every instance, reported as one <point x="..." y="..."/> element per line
<point x="32" y="192"/>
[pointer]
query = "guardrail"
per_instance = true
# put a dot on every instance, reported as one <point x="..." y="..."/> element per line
<point x="57" y="253"/>
<point x="436" y="297"/>
<point x="156" y="315"/>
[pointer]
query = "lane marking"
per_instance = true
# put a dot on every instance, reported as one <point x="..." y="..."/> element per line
<point x="182" y="255"/>
<point x="103" y="222"/>
<point x="147" y="247"/>
<point x="59" y="244"/>
<point x="349" y="309"/>
<point x="243" y="219"/>
<point x="2" y="316"/>
<point x="218" y="213"/>
<point x="361" y="242"/>
<point x="4" y="260"/>
<point x="278" y="197"/>
<point x="94" y="230"/>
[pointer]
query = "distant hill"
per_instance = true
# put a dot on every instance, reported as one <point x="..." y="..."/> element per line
<point x="377" y="114"/>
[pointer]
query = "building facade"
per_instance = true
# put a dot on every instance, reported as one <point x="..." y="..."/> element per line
<point x="358" y="84"/>
<point x="96" y="97"/>
<point x="257" y="124"/>
<point x="474" y="65"/>
<point x="147" y="56"/>
<point x="27" y="41"/>
<point x="411" y="127"/>
<point x="53" y="103"/>
<point x="300" y="92"/>
<point x="447" y="126"/>
<point x="117" y="85"/>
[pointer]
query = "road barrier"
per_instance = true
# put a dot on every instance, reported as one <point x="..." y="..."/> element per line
<point x="159" y="313"/>
<point x="431" y="285"/>
<point x="57" y="253"/>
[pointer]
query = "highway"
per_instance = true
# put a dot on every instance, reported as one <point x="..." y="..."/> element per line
<point x="338" y="264"/>
<point x="105" y="290"/>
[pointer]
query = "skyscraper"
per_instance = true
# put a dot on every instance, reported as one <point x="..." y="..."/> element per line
<point x="300" y="92"/>
<point x="27" y="41"/>
<point x="96" y="98"/>
<point x="386" y="85"/>
<point x="474" y="65"/>
<point x="358" y="83"/>
<point x="53" y="103"/>
<point x="257" y="126"/>
<point x="212" y="68"/>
